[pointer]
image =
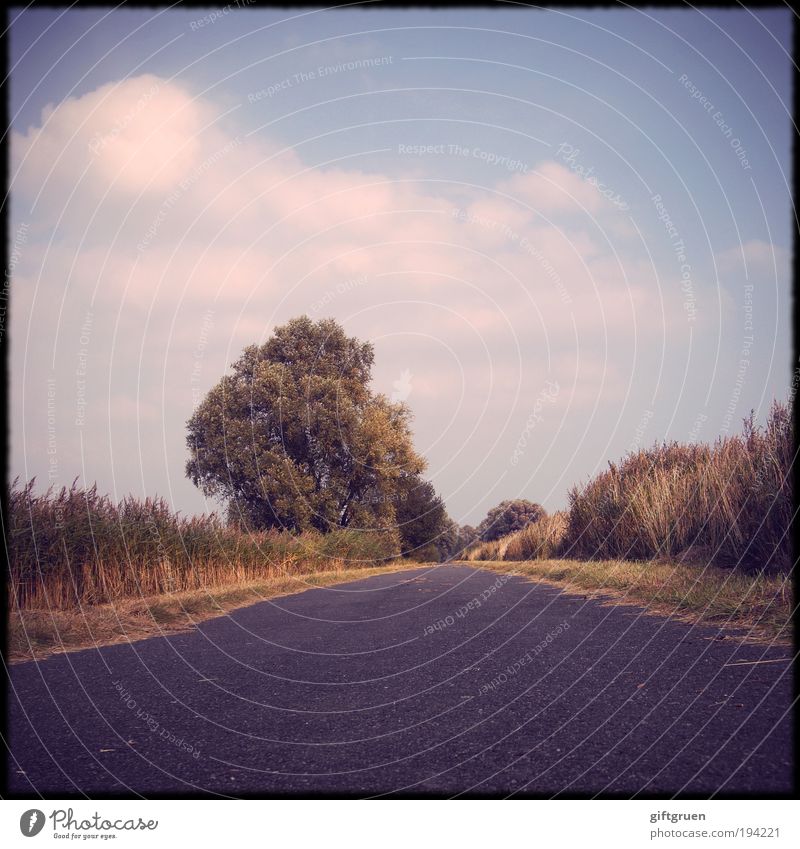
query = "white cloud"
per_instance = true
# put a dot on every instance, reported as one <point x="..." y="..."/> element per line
<point x="761" y="261"/>
<point x="552" y="188"/>
<point x="140" y="134"/>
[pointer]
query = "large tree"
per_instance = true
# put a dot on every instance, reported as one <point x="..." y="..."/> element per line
<point x="294" y="437"/>
<point x="509" y="516"/>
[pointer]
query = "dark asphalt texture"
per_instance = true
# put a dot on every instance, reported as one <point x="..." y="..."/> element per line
<point x="348" y="691"/>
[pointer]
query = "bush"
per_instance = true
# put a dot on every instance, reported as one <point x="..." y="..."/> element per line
<point x="539" y="540"/>
<point x="507" y="517"/>
<point x="429" y="553"/>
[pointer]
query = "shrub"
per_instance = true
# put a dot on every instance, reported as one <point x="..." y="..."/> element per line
<point x="421" y="519"/>
<point x="429" y="553"/>
<point x="507" y="517"/>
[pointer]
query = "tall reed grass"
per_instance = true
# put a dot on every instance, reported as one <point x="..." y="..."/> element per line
<point x="494" y="549"/>
<point x="730" y="503"/>
<point x="540" y="540"/>
<point x="76" y="546"/>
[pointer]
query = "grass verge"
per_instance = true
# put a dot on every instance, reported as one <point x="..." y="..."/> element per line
<point x="37" y="634"/>
<point x="762" y="605"/>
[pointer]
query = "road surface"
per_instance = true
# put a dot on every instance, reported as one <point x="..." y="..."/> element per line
<point x="438" y="682"/>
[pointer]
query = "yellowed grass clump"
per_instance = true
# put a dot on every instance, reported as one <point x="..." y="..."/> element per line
<point x="539" y="540"/>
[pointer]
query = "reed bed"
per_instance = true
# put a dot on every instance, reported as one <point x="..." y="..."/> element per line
<point x="494" y="549"/>
<point x="729" y="504"/>
<point x="75" y="546"/>
<point x="540" y="540"/>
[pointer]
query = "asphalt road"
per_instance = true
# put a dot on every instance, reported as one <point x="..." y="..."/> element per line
<point x="351" y="690"/>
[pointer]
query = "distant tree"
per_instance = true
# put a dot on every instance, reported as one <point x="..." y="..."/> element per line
<point x="455" y="540"/>
<point x="466" y="535"/>
<point x="422" y="519"/>
<point x="447" y="542"/>
<point x="294" y="438"/>
<point x="509" y="516"/>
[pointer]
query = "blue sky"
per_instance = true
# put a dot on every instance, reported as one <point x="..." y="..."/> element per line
<point x="471" y="190"/>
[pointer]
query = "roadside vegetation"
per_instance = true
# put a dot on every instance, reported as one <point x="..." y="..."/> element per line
<point x="538" y="540"/>
<point x="729" y="504"/>
<point x="700" y="532"/>
<point x="76" y="547"/>
<point x="314" y="472"/>
<point x="507" y="517"/>
<point x="731" y="500"/>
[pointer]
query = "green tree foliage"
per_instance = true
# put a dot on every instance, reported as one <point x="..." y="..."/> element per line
<point x="422" y="520"/>
<point x="455" y="540"/>
<point x="465" y="536"/>
<point x="509" y="516"/>
<point x="446" y="543"/>
<point x="294" y="438"/>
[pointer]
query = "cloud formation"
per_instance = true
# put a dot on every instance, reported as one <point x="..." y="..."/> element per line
<point x="186" y="239"/>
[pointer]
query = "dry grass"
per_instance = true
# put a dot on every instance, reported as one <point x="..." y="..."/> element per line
<point x="733" y="498"/>
<point x="36" y="634"/>
<point x="492" y="550"/>
<point x="540" y="540"/>
<point x="75" y="547"/>
<point x="761" y="604"/>
<point x="731" y="501"/>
